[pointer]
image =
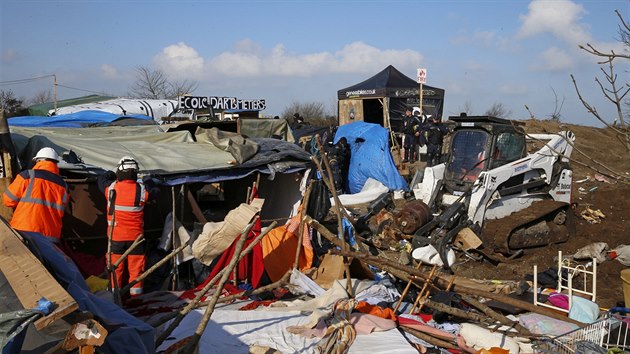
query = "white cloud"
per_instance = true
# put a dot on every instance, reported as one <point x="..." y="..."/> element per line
<point x="248" y="60"/>
<point x="179" y="60"/>
<point x="558" y="17"/>
<point x="109" y="72"/>
<point x="553" y="59"/>
<point x="9" y="55"/>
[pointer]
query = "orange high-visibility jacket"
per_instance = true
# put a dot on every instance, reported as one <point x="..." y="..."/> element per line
<point x="128" y="210"/>
<point x="39" y="197"/>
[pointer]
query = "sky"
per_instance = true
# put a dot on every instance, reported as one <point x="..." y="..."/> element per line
<point x="481" y="52"/>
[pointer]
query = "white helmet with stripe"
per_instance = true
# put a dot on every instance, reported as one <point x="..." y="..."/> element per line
<point x="127" y="163"/>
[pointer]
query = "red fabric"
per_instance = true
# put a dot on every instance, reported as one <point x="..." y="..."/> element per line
<point x="88" y="264"/>
<point x="256" y="304"/>
<point x="250" y="268"/>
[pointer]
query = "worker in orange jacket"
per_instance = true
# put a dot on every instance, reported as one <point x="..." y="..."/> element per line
<point x="128" y="220"/>
<point x="39" y="196"/>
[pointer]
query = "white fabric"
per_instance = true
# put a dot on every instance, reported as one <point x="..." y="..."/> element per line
<point x="234" y="332"/>
<point x="370" y="191"/>
<point x="480" y="338"/>
<point x="305" y="283"/>
<point x="428" y="254"/>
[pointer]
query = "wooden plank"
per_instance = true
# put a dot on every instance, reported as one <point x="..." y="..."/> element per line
<point x="29" y="279"/>
<point x="5" y="211"/>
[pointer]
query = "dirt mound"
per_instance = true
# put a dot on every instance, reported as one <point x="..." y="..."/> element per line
<point x="600" y="156"/>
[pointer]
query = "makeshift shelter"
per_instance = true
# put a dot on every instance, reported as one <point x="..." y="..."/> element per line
<point x="369" y="144"/>
<point x="183" y="164"/>
<point x="157" y="109"/>
<point x="383" y="98"/>
<point x="42" y="109"/>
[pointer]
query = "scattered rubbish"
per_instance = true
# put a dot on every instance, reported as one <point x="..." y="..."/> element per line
<point x="602" y="178"/>
<point x="622" y="254"/>
<point x="595" y="250"/>
<point x="593" y="216"/>
<point x="587" y="178"/>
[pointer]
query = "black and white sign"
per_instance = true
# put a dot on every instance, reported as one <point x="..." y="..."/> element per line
<point x="221" y="103"/>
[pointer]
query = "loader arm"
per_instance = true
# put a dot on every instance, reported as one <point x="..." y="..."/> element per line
<point x="543" y="174"/>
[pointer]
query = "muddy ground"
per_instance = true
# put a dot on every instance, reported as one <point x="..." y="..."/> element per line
<point x="597" y="151"/>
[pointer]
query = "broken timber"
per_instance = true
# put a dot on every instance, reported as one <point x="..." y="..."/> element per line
<point x="29" y="279"/>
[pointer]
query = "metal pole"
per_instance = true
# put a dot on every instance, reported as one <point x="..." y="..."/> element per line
<point x="55" y="91"/>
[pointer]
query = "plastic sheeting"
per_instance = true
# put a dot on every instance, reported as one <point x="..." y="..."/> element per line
<point x="126" y="334"/>
<point x="370" y="156"/>
<point x="75" y="120"/>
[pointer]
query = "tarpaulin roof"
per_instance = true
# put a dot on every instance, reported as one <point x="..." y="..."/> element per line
<point x="389" y="83"/>
<point x="77" y="119"/>
<point x="171" y="155"/>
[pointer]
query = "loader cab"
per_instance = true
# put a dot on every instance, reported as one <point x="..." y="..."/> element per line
<point x="481" y="143"/>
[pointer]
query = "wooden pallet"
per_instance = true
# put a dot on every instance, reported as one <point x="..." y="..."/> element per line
<point x="29" y="278"/>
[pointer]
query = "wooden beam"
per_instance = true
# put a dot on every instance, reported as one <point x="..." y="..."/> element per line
<point x="29" y="279"/>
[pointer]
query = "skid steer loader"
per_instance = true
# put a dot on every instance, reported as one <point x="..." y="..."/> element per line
<point x="489" y="183"/>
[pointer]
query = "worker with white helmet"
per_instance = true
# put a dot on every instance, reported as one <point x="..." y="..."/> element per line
<point x="126" y="220"/>
<point x="39" y="196"/>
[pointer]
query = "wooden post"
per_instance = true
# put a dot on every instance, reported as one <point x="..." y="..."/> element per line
<point x="194" y="340"/>
<point x="153" y="268"/>
<point x="443" y="281"/>
<point x="421" y="294"/>
<point x="181" y="314"/>
<point x="307" y="196"/>
<point x="333" y="191"/>
<point x="173" y="233"/>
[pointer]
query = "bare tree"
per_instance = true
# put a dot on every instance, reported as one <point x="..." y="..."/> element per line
<point x="155" y="84"/>
<point x="11" y="105"/>
<point x="615" y="92"/>
<point x="467" y="108"/>
<point x="43" y="96"/>
<point x="498" y="110"/>
<point x="309" y="110"/>
<point x="556" y="115"/>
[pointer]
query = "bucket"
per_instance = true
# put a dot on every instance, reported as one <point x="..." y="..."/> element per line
<point x="625" y="278"/>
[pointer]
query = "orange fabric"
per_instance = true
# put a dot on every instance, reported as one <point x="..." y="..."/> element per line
<point x="39" y="197"/>
<point x="493" y="350"/>
<point x="134" y="264"/>
<point x="128" y="224"/>
<point x="365" y="307"/>
<point x="278" y="249"/>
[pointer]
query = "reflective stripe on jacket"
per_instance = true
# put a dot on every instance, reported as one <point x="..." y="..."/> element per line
<point x="39" y="197"/>
<point x="128" y="210"/>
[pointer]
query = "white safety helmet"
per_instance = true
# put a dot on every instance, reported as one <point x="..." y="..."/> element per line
<point x="47" y="154"/>
<point x="127" y="163"/>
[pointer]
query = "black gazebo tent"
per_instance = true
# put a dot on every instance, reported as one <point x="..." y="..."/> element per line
<point x="383" y="98"/>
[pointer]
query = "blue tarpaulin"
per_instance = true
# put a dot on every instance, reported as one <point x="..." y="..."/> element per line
<point x="126" y="334"/>
<point x="370" y="156"/>
<point x="73" y="120"/>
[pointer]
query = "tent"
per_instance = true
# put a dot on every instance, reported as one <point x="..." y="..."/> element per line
<point x="383" y="98"/>
<point x="369" y="144"/>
